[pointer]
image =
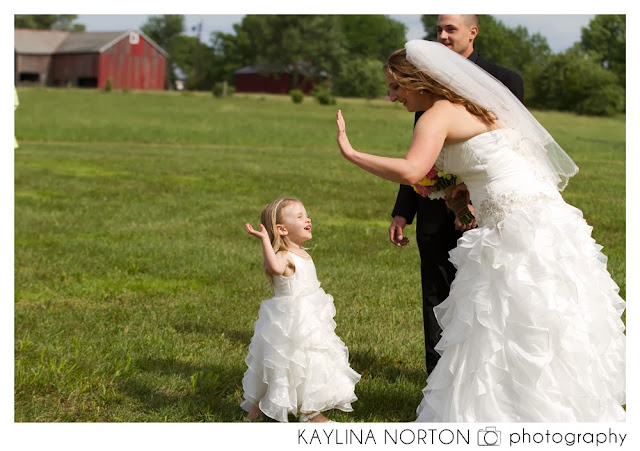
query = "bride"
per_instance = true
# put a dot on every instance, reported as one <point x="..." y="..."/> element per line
<point x="531" y="330"/>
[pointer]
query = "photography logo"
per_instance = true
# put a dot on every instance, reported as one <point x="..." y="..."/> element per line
<point x="489" y="436"/>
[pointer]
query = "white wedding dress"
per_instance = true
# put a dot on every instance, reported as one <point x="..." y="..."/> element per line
<point x="296" y="362"/>
<point x="531" y="330"/>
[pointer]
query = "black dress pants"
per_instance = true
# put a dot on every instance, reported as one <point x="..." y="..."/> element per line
<point x="436" y="280"/>
<point x="436" y="236"/>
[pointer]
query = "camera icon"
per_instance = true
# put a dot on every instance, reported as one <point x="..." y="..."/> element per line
<point x="489" y="436"/>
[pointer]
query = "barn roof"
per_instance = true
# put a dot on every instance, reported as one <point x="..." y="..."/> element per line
<point x="262" y="69"/>
<point x="38" y="42"/>
<point x="46" y="42"/>
<point x="88" y="42"/>
<point x="274" y="68"/>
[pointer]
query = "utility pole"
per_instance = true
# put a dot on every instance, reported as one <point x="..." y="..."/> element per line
<point x="197" y="29"/>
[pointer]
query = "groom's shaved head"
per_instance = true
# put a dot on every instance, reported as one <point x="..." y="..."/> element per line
<point x="457" y="31"/>
<point x="470" y="20"/>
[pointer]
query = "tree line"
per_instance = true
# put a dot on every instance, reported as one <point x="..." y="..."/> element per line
<point x="588" y="78"/>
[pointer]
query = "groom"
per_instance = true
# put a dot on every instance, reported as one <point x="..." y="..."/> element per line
<point x="435" y="230"/>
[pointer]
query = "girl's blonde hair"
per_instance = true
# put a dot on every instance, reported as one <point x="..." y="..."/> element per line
<point x="411" y="78"/>
<point x="270" y="217"/>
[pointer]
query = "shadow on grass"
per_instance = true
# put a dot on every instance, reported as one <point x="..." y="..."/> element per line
<point x="242" y="337"/>
<point x="385" y="367"/>
<point x="389" y="389"/>
<point x="184" y="392"/>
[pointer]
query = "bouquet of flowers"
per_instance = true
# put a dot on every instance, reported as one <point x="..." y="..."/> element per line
<point x="437" y="184"/>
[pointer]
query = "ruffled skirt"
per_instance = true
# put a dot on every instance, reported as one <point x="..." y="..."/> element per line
<point x="532" y="328"/>
<point x="296" y="362"/>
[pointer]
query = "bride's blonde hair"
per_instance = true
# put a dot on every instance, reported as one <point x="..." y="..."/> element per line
<point x="411" y="78"/>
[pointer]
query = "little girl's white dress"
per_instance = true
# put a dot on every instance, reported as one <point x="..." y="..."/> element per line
<point x="296" y="362"/>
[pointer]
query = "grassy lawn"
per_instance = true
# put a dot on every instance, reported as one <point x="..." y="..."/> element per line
<point x="136" y="286"/>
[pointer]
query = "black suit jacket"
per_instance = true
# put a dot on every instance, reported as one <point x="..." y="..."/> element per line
<point x="435" y="229"/>
<point x="512" y="80"/>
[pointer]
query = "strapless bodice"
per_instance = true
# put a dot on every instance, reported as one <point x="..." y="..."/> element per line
<point x="498" y="178"/>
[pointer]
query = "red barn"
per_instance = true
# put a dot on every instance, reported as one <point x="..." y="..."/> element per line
<point x="271" y="79"/>
<point x="130" y="59"/>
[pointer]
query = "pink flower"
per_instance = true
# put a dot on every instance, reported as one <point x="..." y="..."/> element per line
<point x="424" y="191"/>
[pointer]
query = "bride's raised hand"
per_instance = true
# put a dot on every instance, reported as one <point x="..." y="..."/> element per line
<point x="343" y="140"/>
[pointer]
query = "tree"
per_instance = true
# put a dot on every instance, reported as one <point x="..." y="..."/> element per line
<point x="573" y="81"/>
<point x="165" y="30"/>
<point x="330" y="43"/>
<point x="512" y="48"/>
<point x="430" y="25"/>
<point x="526" y="54"/>
<point x="48" y="22"/>
<point x="372" y="36"/>
<point x="360" y="77"/>
<point x="370" y="39"/>
<point x="226" y="56"/>
<point x="605" y="40"/>
<point x="196" y="60"/>
<point x="285" y="41"/>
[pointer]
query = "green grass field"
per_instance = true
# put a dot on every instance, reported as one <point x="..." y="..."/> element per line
<point x="136" y="286"/>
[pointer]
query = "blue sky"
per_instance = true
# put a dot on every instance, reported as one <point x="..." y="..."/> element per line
<point x="560" y="30"/>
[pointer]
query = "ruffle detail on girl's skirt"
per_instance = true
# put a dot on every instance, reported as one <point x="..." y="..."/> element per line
<point x="296" y="362"/>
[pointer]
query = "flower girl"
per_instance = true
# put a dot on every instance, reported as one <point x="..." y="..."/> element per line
<point x="296" y="363"/>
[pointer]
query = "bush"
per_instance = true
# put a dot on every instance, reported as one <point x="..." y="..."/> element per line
<point x="605" y="100"/>
<point x="108" y="86"/>
<point x="217" y="90"/>
<point x="297" y="96"/>
<point x="360" y="77"/>
<point x="222" y="89"/>
<point x="322" y="95"/>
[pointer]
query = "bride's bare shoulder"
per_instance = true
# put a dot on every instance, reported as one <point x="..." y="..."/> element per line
<point x="458" y="121"/>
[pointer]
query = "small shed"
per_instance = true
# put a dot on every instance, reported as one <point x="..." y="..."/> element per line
<point x="274" y="79"/>
<point x="129" y="59"/>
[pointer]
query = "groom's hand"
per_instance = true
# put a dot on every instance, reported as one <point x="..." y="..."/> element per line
<point x="396" y="230"/>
